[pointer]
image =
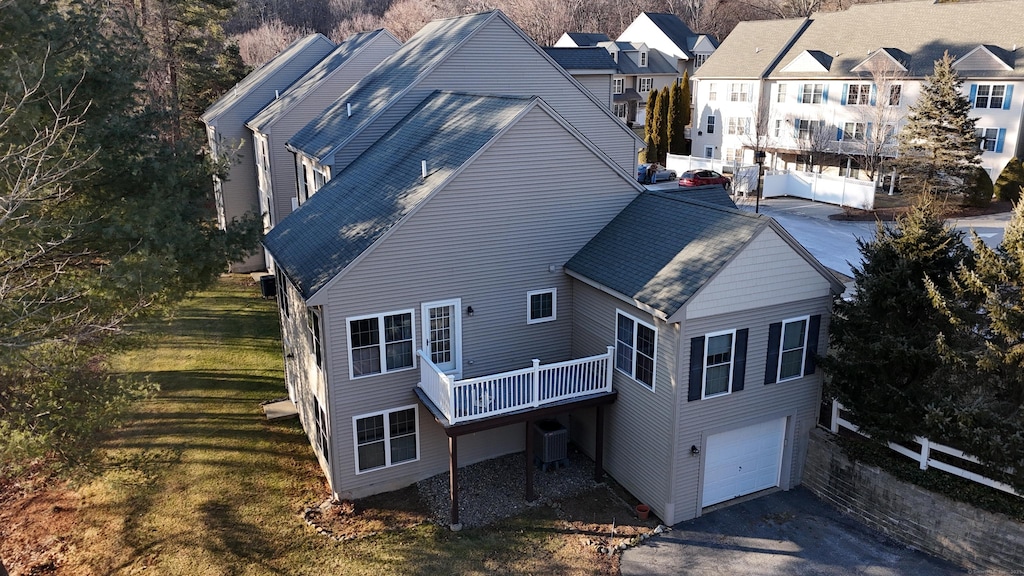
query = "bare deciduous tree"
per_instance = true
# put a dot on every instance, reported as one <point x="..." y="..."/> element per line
<point x="259" y="45"/>
<point x="880" y="117"/>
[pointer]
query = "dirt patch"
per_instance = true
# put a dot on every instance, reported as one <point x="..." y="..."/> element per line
<point x="600" y="520"/>
<point x="891" y="212"/>
<point x="349" y="520"/>
<point x="38" y="516"/>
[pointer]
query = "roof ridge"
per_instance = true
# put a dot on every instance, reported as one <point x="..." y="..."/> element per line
<point x="703" y="204"/>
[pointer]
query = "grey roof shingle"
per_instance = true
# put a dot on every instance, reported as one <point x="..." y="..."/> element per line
<point x="657" y="63"/>
<point x="357" y="207"/>
<point x="378" y="89"/>
<point x="587" y="58"/>
<point x="587" y="38"/>
<point x="676" y="31"/>
<point x="313" y="78"/>
<point x="711" y="193"/>
<point x="265" y="72"/>
<point x="663" y="248"/>
<point x="751" y="49"/>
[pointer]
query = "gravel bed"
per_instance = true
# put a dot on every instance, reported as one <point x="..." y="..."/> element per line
<point x="495" y="489"/>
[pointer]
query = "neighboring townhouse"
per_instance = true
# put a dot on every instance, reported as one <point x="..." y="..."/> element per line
<point x="839" y="85"/>
<point x="670" y="36"/>
<point x="431" y="316"/>
<point x="484" y="53"/>
<point x="640" y="71"/>
<point x="591" y="66"/>
<point x="581" y="39"/>
<point x="295" y="107"/>
<point x="236" y="195"/>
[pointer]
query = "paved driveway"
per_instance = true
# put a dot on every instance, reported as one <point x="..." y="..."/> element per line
<point x="784" y="534"/>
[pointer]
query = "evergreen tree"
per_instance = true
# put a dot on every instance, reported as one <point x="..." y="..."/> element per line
<point x="661" y="123"/>
<point x="1010" y="183"/>
<point x="686" y="98"/>
<point x="883" y="341"/>
<point x="938" y="143"/>
<point x="650" y="125"/>
<point x="650" y="150"/>
<point x="676" y="120"/>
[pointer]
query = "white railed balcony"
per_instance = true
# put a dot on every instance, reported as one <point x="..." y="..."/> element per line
<point x="495" y="394"/>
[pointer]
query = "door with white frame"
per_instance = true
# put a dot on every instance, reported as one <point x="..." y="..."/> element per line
<point x="442" y="335"/>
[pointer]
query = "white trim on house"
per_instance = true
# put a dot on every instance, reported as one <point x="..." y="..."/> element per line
<point x="634" y="349"/>
<point x="382" y="343"/>
<point x="732" y="363"/>
<point x="529" y="306"/>
<point x="453" y="365"/>
<point x="802" y="349"/>
<point x="386" y="440"/>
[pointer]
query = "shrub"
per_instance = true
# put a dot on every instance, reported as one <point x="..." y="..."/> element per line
<point x="1011" y="181"/>
<point x="978" y="189"/>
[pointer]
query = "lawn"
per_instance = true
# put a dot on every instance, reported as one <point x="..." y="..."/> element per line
<point x="201" y="484"/>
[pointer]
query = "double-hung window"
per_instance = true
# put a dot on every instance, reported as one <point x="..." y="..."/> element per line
<point x="792" y="347"/>
<point x="643" y="59"/>
<point x="321" y="430"/>
<point x="712" y="92"/>
<point x="812" y="93"/>
<point x="617" y="85"/>
<point x="739" y="92"/>
<point x="805" y="129"/>
<point x="282" y="293"/>
<point x="635" y="348"/>
<point x="895" y="94"/>
<point x="858" y="95"/>
<point x="780" y="92"/>
<point x="380" y="343"/>
<point x="989" y="95"/>
<point x="540" y="306"/>
<point x="738" y="126"/>
<point x="991" y="139"/>
<point x="313" y="323"/>
<point x="646" y="84"/>
<point x="791" y="353"/>
<point x="699" y="60"/>
<point x="852" y="131"/>
<point x="711" y="125"/>
<point x="717" y="363"/>
<point x="386" y="438"/>
<point x="620" y="109"/>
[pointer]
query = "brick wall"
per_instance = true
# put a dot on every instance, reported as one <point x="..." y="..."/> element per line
<point x="960" y="533"/>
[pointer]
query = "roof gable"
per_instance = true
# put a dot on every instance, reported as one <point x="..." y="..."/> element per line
<point x="317" y="75"/>
<point x="752" y="50"/>
<point x="884" y="59"/>
<point x="809" y="61"/>
<point x="312" y="47"/>
<point x="581" y="39"/>
<point x="683" y="245"/>
<point x="985" y="57"/>
<point x="357" y="208"/>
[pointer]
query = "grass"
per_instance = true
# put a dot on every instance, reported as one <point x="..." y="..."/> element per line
<point x="201" y="484"/>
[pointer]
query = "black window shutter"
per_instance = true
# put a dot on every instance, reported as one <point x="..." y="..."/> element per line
<point x="696" y="368"/>
<point x="739" y="368"/>
<point x="771" y="367"/>
<point x="810" y="355"/>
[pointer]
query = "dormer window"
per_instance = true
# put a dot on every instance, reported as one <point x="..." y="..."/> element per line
<point x="643" y="59"/>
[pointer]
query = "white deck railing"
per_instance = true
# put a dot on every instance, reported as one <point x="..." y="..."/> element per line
<point x="485" y="396"/>
<point x="923" y="457"/>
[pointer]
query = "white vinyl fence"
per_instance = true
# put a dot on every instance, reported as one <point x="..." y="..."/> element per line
<point x="923" y="457"/>
<point x="821" y="188"/>
<point x="744" y="176"/>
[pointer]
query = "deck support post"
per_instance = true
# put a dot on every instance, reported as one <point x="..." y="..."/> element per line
<point x="599" y="445"/>
<point x="453" y="475"/>
<point x="530" y="496"/>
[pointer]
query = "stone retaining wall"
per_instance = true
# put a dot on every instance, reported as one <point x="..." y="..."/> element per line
<point x="962" y="534"/>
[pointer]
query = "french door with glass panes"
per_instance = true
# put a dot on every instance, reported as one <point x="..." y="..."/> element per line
<point x="442" y="335"/>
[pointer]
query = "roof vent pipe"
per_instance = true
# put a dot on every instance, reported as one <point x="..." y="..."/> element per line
<point x="423" y="168"/>
<point x="349" y="107"/>
<point x="277" y="94"/>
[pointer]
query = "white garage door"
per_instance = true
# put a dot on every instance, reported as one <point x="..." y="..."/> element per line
<point x="743" y="461"/>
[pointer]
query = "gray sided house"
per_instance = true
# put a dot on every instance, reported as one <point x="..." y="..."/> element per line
<point x="404" y="296"/>
<point x="430" y="317"/>
<point x="591" y="66"/>
<point x="669" y="35"/>
<point x="484" y="53"/>
<point x="227" y="133"/>
<point x="295" y="107"/>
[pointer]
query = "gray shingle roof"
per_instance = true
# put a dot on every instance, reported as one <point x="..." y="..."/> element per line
<point x="657" y="63"/>
<point x="313" y="78"/>
<point x="750" y="50"/>
<point x="676" y="31"/>
<point x="358" y="206"/>
<point x="266" y="72"/>
<point x="663" y="248"/>
<point x="587" y="38"/>
<point x="378" y="89"/>
<point x="587" y="58"/>
<point x="711" y="193"/>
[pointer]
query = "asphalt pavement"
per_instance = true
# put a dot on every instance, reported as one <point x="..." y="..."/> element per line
<point x="778" y="534"/>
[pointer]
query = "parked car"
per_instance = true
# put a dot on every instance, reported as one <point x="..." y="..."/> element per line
<point x="652" y="173"/>
<point x="703" y="178"/>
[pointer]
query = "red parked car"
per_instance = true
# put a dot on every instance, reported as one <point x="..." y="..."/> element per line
<point x="703" y="178"/>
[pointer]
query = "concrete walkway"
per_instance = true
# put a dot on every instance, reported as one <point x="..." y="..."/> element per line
<point x="779" y="534"/>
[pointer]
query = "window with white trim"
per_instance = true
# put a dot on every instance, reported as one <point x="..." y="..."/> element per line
<point x="794" y="344"/>
<point x="732" y="155"/>
<point x="780" y="93"/>
<point x="738" y="126"/>
<point x="852" y="131"/>
<point x="386" y="438"/>
<point x="812" y="93"/>
<point x="380" y="343"/>
<point x="895" y="94"/>
<point x="990" y="96"/>
<point x="635" y="348"/>
<point x="858" y="94"/>
<point x="778" y="128"/>
<point x="282" y="293"/>
<point x="619" y="108"/>
<point x="617" y="85"/>
<point x="699" y="60"/>
<point x="540" y="306"/>
<point x="718" y="363"/>
<point x="313" y="323"/>
<point x="739" y="92"/>
<point x="643" y="59"/>
<point x="321" y="430"/>
<point x="988" y="139"/>
<point x="805" y="129"/>
<point x="646" y="84"/>
<point x="710" y="128"/>
<point x="712" y="92"/>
